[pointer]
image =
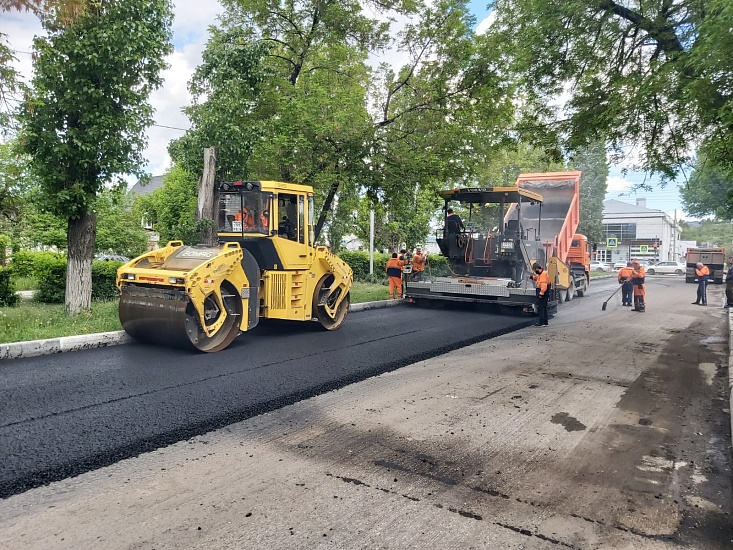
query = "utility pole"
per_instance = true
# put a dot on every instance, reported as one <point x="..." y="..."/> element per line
<point x="371" y="242"/>
<point x="675" y="256"/>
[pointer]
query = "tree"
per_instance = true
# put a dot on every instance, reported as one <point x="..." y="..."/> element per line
<point x="11" y="86"/>
<point x="225" y="89"/>
<point x="652" y="75"/>
<point x="83" y="124"/>
<point x="592" y="162"/>
<point x="708" y="191"/>
<point x="119" y="229"/>
<point x="172" y="208"/>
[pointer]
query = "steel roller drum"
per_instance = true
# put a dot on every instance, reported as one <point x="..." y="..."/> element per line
<point x="165" y="316"/>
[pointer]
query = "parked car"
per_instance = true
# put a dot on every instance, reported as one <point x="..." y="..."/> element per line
<point x="112" y="258"/>
<point x="600" y="266"/>
<point x="618" y="265"/>
<point x="666" y="268"/>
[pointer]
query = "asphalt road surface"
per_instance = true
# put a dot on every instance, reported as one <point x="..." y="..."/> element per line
<point x="65" y="414"/>
<point x="607" y="429"/>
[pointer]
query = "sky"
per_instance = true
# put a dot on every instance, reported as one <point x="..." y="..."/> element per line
<point x="190" y="25"/>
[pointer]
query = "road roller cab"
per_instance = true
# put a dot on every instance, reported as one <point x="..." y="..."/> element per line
<point x="265" y="266"/>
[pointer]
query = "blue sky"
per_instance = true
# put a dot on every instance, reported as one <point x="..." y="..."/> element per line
<point x="192" y="20"/>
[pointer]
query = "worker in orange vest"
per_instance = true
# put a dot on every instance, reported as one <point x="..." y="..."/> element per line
<point x="638" y="276"/>
<point x="703" y="275"/>
<point x="624" y="279"/>
<point x="245" y="216"/>
<point x="418" y="264"/>
<point x="394" y="274"/>
<point x="542" y="288"/>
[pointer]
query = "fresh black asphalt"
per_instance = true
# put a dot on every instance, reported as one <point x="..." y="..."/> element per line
<point x="65" y="414"/>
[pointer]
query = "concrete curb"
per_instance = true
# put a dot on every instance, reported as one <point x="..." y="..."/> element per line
<point x="730" y="368"/>
<point x="35" y="348"/>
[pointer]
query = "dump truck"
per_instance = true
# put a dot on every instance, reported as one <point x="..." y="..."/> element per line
<point x="713" y="258"/>
<point x="265" y="266"/>
<point x="535" y="221"/>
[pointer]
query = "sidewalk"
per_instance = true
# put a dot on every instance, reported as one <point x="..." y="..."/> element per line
<point x="34" y="348"/>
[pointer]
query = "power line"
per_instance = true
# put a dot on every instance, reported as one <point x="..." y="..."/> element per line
<point x="171" y="127"/>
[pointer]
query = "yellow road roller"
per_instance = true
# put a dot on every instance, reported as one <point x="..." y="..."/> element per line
<point x="266" y="265"/>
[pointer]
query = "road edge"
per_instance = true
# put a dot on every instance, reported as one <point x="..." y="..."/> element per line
<point x="48" y="346"/>
<point x="730" y="369"/>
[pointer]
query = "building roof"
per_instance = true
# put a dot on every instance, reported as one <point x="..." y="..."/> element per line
<point x="613" y="207"/>
<point x="156" y="182"/>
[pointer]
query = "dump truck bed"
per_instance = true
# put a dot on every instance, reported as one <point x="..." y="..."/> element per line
<point x="560" y="208"/>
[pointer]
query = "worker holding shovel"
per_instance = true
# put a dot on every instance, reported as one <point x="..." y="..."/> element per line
<point x="637" y="280"/>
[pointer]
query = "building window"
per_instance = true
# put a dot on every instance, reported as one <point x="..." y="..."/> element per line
<point x="621" y="231"/>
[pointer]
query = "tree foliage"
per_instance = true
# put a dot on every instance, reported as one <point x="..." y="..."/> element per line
<point x="654" y="75"/>
<point x="709" y="233"/>
<point x="171" y="209"/>
<point x="592" y="162"/>
<point x="708" y="191"/>
<point x="84" y="122"/>
<point x="314" y="112"/>
<point x="119" y="230"/>
<point x="11" y="85"/>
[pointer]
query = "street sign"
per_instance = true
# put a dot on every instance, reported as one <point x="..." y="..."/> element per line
<point x="644" y="248"/>
<point x="612" y="242"/>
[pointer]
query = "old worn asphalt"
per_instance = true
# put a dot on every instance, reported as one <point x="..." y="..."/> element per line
<point x="605" y="430"/>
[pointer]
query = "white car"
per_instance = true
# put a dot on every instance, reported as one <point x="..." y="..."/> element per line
<point x="600" y="266"/>
<point x="618" y="265"/>
<point x="666" y="268"/>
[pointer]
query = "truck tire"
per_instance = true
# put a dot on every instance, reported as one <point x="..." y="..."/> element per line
<point x="583" y="288"/>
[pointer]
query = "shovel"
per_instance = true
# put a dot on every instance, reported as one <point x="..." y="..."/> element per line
<point x="603" y="307"/>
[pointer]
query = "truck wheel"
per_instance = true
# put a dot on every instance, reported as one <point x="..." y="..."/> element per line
<point x="583" y="288"/>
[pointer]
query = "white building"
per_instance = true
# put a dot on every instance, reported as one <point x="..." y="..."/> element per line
<point x="637" y="232"/>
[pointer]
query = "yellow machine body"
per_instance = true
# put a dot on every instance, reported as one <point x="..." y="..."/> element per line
<point x="265" y="266"/>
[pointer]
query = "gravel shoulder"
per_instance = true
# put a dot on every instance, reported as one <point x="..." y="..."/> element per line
<point x="608" y="429"/>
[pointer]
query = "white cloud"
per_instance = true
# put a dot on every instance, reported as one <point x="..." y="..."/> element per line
<point x="190" y="32"/>
<point x="617" y="184"/>
<point x="484" y="25"/>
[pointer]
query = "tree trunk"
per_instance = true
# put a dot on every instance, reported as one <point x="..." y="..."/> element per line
<point x="81" y="236"/>
<point x="326" y="209"/>
<point x="207" y="199"/>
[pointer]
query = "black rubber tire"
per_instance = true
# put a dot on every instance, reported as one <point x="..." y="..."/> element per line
<point x="679" y="272"/>
<point x="319" y="312"/>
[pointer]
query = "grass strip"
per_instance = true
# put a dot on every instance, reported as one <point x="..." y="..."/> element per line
<point x="36" y="321"/>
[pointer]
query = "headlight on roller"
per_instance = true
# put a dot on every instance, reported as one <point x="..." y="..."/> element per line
<point x="128" y="276"/>
<point x="175" y="280"/>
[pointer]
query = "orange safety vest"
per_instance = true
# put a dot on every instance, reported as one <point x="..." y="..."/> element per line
<point x="625" y="273"/>
<point x="542" y="281"/>
<point x="245" y="216"/>
<point x="394" y="267"/>
<point x="702" y="272"/>
<point x="418" y="262"/>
